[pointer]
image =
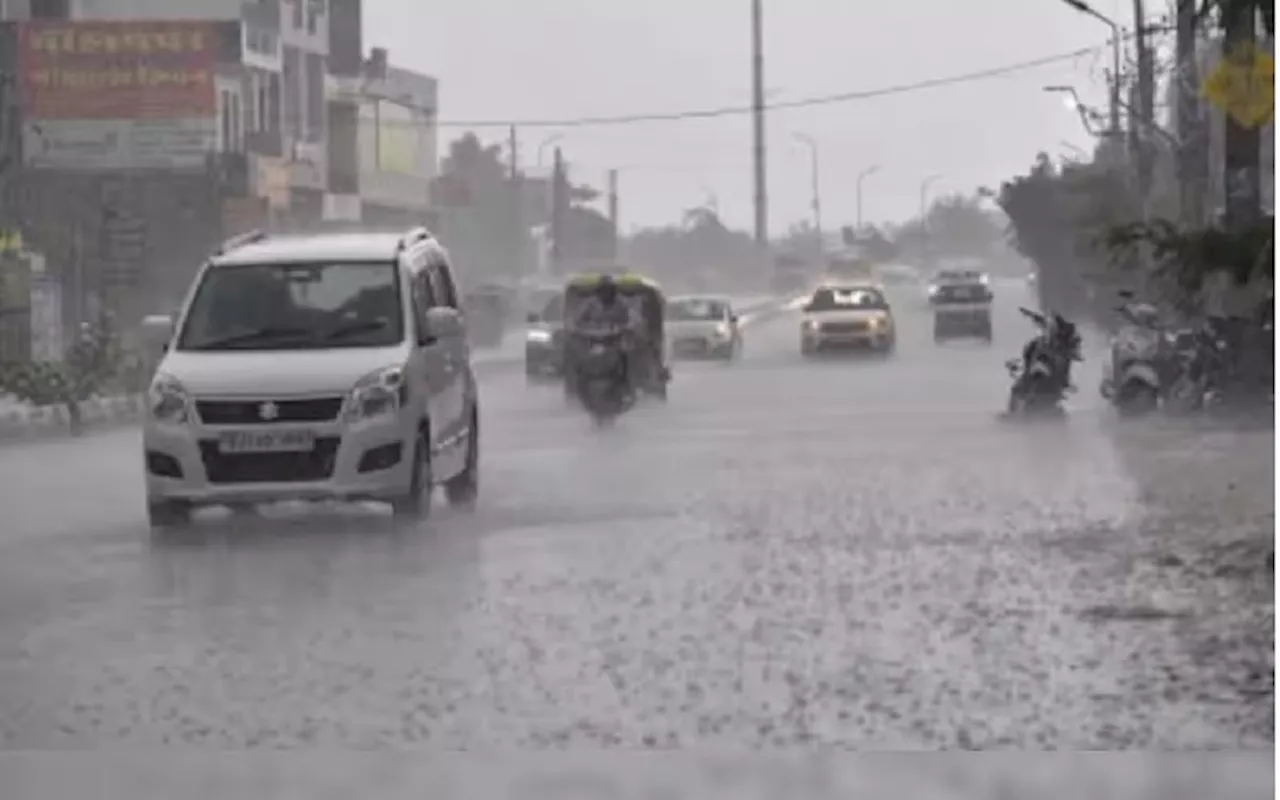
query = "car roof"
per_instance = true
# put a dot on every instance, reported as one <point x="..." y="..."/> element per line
<point x="310" y="248"/>
<point x="703" y="298"/>
<point x="848" y="287"/>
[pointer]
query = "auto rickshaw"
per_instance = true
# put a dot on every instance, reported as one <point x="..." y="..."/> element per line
<point x="487" y="309"/>
<point x="652" y="371"/>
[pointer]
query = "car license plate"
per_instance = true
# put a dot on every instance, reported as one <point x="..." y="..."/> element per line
<point x="286" y="441"/>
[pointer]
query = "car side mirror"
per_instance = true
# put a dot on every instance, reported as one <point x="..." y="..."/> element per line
<point x="733" y="318"/>
<point x="157" y="330"/>
<point x="533" y="318"/>
<point x="440" y="323"/>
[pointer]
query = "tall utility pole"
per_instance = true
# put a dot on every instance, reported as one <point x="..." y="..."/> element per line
<point x="1242" y="168"/>
<point x="559" y="198"/>
<point x="757" y="106"/>
<point x="1193" y="157"/>
<point x="1146" y="97"/>
<point x="816" y="188"/>
<point x="862" y="176"/>
<point x="613" y="209"/>
<point x="517" y="205"/>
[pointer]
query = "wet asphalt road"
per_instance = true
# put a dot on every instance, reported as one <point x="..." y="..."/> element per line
<point x="847" y="551"/>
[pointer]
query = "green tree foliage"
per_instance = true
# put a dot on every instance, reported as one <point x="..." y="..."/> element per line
<point x="1221" y="9"/>
<point x="1187" y="257"/>
<point x="956" y="226"/>
<point x="89" y="365"/>
<point x="1055" y="218"/>
<point x="701" y="241"/>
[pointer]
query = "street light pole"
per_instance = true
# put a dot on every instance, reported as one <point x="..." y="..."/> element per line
<point x="1085" y="8"/>
<point x="757" y="113"/>
<point x="866" y="173"/>
<point x="816" y="188"/>
<point x="924" y="197"/>
<point x="545" y="143"/>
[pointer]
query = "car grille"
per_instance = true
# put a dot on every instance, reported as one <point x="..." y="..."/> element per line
<point x="249" y="412"/>
<point x="845" y="327"/>
<point x="690" y="344"/>
<point x="316" y="465"/>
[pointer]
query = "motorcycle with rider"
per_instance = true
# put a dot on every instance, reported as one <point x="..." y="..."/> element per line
<point x="601" y="340"/>
<point x="1043" y="375"/>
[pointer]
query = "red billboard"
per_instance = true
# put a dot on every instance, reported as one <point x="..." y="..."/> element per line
<point x="153" y="69"/>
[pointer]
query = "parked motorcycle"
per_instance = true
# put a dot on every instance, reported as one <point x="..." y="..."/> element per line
<point x="1134" y="382"/>
<point x="602" y="383"/>
<point x="1042" y="377"/>
<point x="1199" y="367"/>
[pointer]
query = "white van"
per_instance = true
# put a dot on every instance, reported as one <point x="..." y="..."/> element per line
<point x="314" y="367"/>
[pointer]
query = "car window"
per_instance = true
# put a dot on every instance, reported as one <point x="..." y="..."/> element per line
<point x="295" y="306"/>
<point x="839" y="299"/>
<point x="443" y="280"/>
<point x="696" y="309"/>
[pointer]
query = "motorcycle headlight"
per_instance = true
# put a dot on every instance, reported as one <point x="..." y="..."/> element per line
<point x="168" y="401"/>
<point x="377" y="394"/>
<point x="538" y="336"/>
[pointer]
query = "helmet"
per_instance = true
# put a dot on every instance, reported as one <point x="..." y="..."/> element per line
<point x="607" y="290"/>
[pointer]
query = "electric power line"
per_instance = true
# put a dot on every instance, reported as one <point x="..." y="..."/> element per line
<point x="725" y="111"/>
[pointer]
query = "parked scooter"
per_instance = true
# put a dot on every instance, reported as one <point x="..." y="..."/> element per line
<point x="1042" y="377"/>
<point x="1133" y="384"/>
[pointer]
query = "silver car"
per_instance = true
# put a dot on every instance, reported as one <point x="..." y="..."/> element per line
<point x="315" y="367"/>
<point x="703" y="326"/>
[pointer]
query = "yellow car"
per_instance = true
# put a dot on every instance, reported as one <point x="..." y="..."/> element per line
<point x="853" y="316"/>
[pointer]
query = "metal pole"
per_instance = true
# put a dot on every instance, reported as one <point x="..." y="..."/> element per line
<point x="542" y="146"/>
<point x="1242" y="173"/>
<point x="816" y="188"/>
<point x="924" y="198"/>
<point x="1085" y="8"/>
<point x="866" y="173"/>
<point x="1191" y="160"/>
<point x="757" y="105"/>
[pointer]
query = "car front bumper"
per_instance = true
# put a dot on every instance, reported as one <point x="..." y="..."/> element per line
<point x="861" y="340"/>
<point x="366" y="460"/>
<point x="701" y="346"/>
<point x="543" y="358"/>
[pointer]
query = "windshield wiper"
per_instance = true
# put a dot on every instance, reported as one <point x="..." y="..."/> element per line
<point x="252" y="337"/>
<point x="352" y="328"/>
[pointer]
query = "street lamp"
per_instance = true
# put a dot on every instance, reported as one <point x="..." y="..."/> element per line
<point x="1085" y="8"/>
<point x="545" y="143"/>
<point x="866" y="173"/>
<point x="1073" y="102"/>
<point x="924" y="196"/>
<point x="812" y="144"/>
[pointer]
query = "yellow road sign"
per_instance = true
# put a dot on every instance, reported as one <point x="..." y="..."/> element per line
<point x="1244" y="86"/>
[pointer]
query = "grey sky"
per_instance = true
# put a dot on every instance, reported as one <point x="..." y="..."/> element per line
<point x="503" y="59"/>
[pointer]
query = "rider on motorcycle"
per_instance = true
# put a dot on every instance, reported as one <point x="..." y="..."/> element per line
<point x="606" y="310"/>
<point x="1060" y="344"/>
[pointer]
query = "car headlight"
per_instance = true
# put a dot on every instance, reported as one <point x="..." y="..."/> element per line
<point x="168" y="401"/>
<point x="377" y="394"/>
<point x="538" y="336"/>
<point x="722" y="330"/>
<point x="809" y="325"/>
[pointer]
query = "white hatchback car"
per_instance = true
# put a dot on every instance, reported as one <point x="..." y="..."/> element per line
<point x="315" y="367"/>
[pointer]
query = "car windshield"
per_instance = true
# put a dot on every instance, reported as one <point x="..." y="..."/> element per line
<point x="696" y="310"/>
<point x="295" y="306"/>
<point x="553" y="311"/>
<point x="962" y="293"/>
<point x="845" y="299"/>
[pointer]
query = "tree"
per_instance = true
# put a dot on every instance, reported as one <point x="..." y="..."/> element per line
<point x="1230" y="8"/>
<point x="89" y="364"/>
<point x="956" y="226"/>
<point x="702" y="241"/>
<point x="1055" y="217"/>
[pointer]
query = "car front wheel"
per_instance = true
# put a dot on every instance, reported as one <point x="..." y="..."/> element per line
<point x="463" y="489"/>
<point x="416" y="500"/>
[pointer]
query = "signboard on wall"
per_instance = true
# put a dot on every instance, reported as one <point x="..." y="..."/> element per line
<point x="118" y="95"/>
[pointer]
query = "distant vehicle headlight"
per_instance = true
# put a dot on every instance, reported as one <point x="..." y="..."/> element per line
<point x="538" y="336"/>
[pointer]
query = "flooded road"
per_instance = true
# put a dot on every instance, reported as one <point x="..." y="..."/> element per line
<point x="851" y="552"/>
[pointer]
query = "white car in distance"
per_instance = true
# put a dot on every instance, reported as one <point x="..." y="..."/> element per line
<point x="318" y="367"/>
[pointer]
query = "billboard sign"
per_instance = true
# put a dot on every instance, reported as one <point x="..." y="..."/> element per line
<point x="118" y="95"/>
